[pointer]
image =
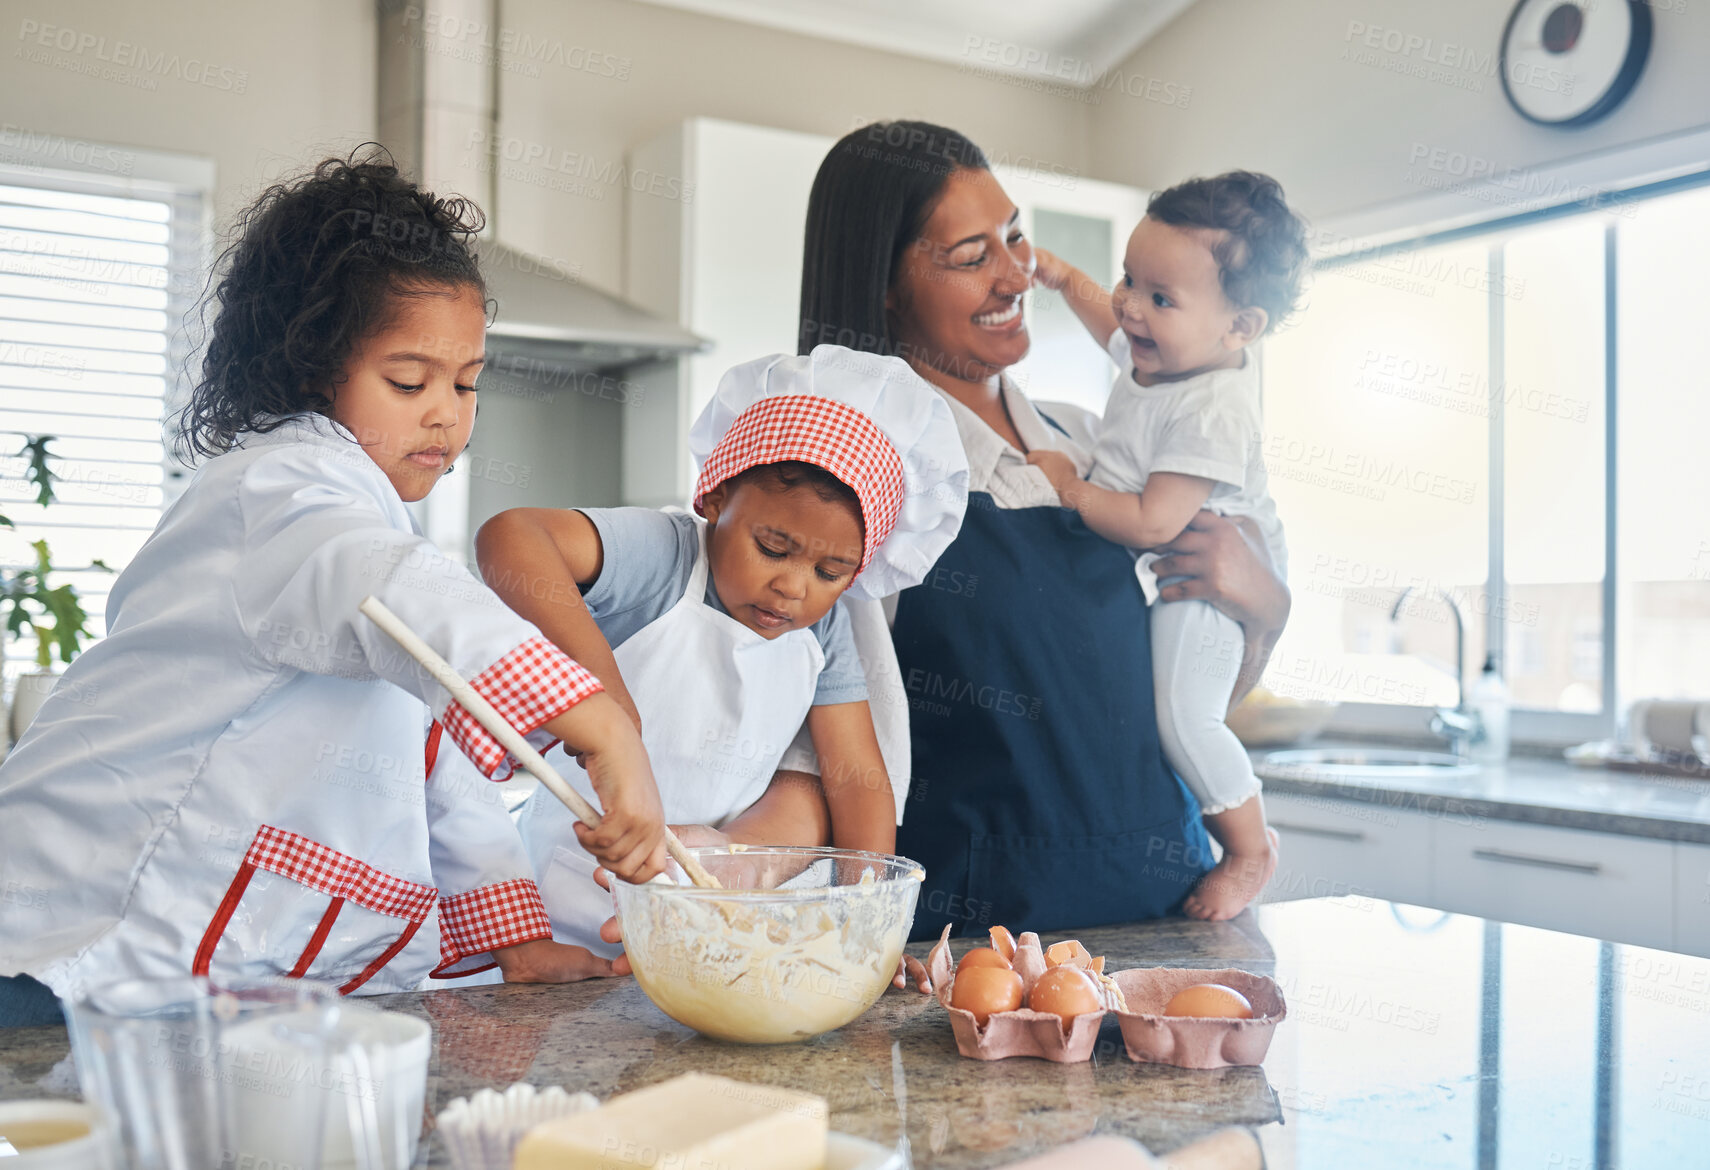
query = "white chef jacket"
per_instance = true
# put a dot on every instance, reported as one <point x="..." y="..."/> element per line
<point x="233" y="780"/>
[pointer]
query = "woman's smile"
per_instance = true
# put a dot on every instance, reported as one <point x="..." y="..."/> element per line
<point x="1005" y="320"/>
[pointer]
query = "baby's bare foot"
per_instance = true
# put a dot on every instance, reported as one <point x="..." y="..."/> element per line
<point x="1233" y="883"/>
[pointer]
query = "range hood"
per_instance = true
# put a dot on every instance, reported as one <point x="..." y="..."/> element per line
<point x="435" y="97"/>
<point x="552" y="321"/>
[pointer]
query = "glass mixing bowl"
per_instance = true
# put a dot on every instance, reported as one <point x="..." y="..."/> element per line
<point x="799" y="942"/>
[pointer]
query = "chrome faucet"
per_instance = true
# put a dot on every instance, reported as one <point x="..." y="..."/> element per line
<point x="1459" y="725"/>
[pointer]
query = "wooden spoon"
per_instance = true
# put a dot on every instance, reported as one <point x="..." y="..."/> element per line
<point x="471" y="701"/>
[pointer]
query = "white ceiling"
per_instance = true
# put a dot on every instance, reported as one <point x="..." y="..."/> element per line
<point x="1069" y="41"/>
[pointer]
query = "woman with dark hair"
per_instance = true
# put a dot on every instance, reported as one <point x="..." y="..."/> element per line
<point x="1040" y="798"/>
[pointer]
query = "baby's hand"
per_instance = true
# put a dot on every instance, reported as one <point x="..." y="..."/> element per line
<point x="1058" y="468"/>
<point x="1053" y="271"/>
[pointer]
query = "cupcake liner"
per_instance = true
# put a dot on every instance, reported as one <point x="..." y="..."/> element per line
<point x="1154" y="1038"/>
<point x="1018" y="1033"/>
<point x="482" y="1132"/>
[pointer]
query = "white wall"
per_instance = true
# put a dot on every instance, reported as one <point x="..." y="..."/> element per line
<point x="651" y="67"/>
<point x="305" y="71"/>
<point x="1288" y="87"/>
<point x="1257" y="83"/>
<point x="1268" y="84"/>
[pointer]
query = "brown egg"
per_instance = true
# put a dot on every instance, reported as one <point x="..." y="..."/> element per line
<point x="1064" y="991"/>
<point x="984" y="990"/>
<point x="1209" y="1001"/>
<point x="982" y="957"/>
<point x="1003" y="942"/>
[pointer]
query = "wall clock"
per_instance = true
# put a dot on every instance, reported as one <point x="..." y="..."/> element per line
<point x="1567" y="63"/>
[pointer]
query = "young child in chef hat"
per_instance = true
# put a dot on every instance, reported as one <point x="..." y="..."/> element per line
<point x="244" y="796"/>
<point x="825" y="475"/>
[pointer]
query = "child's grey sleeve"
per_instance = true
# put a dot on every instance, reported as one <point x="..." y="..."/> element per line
<point x="842" y="679"/>
<point x="646" y="557"/>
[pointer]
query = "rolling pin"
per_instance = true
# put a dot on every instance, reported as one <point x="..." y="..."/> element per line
<point x="1227" y="1149"/>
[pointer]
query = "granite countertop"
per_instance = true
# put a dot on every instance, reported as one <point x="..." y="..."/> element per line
<point x="1413" y="1039"/>
<point x="1536" y="790"/>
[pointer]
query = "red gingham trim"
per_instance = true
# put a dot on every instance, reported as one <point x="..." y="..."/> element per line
<point x="482" y="920"/>
<point x="532" y="685"/>
<point x="825" y="433"/>
<point x="432" y="757"/>
<point x="447" y="954"/>
<point x="338" y="875"/>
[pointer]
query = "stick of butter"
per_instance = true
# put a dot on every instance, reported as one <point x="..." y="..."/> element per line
<point x="692" y="1122"/>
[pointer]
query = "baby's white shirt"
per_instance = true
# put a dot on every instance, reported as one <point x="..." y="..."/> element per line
<point x="1210" y="425"/>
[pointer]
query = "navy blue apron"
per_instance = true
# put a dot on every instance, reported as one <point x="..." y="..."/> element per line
<point x="1040" y="797"/>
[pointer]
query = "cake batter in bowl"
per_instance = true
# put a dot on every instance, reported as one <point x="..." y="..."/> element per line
<point x="800" y="941"/>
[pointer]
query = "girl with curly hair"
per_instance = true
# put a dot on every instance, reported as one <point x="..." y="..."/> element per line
<point x="247" y="798"/>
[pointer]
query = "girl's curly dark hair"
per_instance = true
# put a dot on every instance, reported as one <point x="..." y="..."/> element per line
<point x="1262" y="259"/>
<point x="318" y="265"/>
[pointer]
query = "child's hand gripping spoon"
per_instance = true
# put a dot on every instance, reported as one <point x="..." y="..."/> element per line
<point x="471" y="701"/>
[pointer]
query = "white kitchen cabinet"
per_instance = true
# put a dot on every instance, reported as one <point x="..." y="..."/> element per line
<point x="721" y="254"/>
<point x="1087" y="223"/>
<point x="1332" y="847"/>
<point x="1599" y="884"/>
<point x="724" y="260"/>
<point x="1692" y="898"/>
<point x="1626" y="889"/>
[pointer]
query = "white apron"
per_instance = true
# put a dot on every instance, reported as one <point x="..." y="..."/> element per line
<point x="719" y="705"/>
<point x="232" y="781"/>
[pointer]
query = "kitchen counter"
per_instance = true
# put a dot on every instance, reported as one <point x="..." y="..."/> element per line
<point x="1535" y="790"/>
<point x="1413" y="1039"/>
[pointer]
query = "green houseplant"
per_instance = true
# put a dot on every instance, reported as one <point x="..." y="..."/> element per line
<point x="53" y="614"/>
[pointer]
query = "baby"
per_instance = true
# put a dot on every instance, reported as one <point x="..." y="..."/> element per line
<point x="1215" y="265"/>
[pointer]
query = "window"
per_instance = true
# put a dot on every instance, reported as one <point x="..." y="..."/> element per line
<point x="1377" y="440"/>
<point x="1438" y="431"/>
<point x="96" y="273"/>
<point x="1663" y="521"/>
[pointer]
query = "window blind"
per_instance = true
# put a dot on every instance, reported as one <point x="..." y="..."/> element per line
<point x="96" y="275"/>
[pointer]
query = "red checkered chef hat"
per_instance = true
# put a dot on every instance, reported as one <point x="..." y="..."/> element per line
<point x="869" y="420"/>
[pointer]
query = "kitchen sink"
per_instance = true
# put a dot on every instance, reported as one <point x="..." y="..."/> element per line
<point x="1363" y="764"/>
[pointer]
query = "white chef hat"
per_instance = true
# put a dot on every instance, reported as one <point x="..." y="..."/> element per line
<point x="869" y="420"/>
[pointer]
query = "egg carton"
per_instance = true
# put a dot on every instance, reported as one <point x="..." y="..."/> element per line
<point x="1022" y="1032"/>
<point x="1151" y="1037"/>
<point x="1136" y="997"/>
